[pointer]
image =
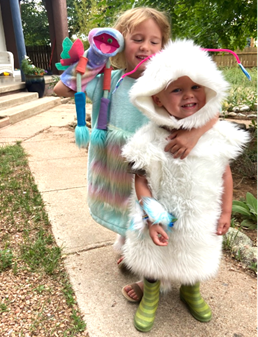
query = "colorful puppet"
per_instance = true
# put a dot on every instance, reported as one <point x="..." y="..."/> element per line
<point x="81" y="67"/>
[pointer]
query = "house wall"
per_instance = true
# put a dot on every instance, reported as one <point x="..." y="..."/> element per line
<point x="9" y="30"/>
<point x="2" y="36"/>
<point x="58" y="26"/>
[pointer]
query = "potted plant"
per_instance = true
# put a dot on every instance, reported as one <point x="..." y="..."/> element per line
<point x="34" y="77"/>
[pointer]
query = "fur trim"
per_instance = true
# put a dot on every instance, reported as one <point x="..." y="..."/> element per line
<point x="156" y="212"/>
<point x="170" y="64"/>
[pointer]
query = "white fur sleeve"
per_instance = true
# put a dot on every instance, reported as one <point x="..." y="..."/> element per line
<point x="141" y="150"/>
<point x="235" y="139"/>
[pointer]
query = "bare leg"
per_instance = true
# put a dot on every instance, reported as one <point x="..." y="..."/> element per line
<point x="120" y="260"/>
<point x="61" y="89"/>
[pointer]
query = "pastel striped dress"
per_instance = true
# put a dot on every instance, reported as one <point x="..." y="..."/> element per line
<point x="109" y="183"/>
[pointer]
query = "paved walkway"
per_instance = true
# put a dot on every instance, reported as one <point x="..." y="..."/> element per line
<point x="59" y="168"/>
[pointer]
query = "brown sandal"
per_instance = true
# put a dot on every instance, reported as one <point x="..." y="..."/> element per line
<point x="120" y="263"/>
<point x="137" y="291"/>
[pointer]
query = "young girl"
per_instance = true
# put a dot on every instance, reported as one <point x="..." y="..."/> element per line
<point x="145" y="32"/>
<point x="181" y="87"/>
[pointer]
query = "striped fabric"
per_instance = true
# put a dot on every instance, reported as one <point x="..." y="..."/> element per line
<point x="110" y="182"/>
<point x="145" y="314"/>
<point x="199" y="309"/>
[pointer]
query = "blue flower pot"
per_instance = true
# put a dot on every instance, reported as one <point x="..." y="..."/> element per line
<point x="35" y="84"/>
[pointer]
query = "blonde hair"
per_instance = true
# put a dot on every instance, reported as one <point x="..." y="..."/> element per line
<point x="132" y="18"/>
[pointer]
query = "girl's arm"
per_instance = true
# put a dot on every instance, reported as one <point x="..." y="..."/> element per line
<point x="141" y="187"/>
<point x="157" y="233"/>
<point x="183" y="141"/>
<point x="227" y="198"/>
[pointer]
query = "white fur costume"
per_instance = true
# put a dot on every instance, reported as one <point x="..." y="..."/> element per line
<point x="190" y="189"/>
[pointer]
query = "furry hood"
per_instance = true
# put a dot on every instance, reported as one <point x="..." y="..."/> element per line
<point x="177" y="59"/>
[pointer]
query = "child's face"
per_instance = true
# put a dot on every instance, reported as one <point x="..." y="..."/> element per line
<point x="182" y="98"/>
<point x="143" y="41"/>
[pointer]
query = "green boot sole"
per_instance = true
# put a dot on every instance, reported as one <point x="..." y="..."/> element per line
<point x="145" y="314"/>
<point x="198" y="308"/>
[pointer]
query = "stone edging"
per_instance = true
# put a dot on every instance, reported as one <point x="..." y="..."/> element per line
<point x="241" y="246"/>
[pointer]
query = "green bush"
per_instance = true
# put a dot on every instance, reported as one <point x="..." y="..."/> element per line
<point x="242" y="91"/>
<point x="247" y="210"/>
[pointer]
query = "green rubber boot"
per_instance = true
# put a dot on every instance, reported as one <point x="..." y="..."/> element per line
<point x="145" y="314"/>
<point x="199" y="309"/>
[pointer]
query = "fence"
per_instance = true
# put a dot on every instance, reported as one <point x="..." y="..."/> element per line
<point x="40" y="56"/>
<point x="248" y="58"/>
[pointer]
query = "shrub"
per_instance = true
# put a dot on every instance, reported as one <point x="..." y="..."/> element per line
<point x="247" y="209"/>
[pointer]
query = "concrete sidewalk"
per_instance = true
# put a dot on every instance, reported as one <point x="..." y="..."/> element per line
<point x="59" y="169"/>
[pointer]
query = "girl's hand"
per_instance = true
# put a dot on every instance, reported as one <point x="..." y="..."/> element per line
<point x="226" y="207"/>
<point x="223" y="223"/>
<point x="158" y="235"/>
<point x="181" y="142"/>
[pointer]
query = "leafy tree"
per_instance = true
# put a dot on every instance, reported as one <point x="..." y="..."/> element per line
<point x="95" y="13"/>
<point x="34" y="23"/>
<point x="92" y="14"/>
<point x="210" y="23"/>
<point x="73" y="18"/>
<point x="85" y="10"/>
<point x="108" y="11"/>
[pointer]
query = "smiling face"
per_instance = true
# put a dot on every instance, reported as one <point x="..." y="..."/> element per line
<point x="143" y="41"/>
<point x="181" y="98"/>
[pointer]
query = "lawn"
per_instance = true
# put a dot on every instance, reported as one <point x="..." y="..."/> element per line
<point x="242" y="91"/>
<point x="36" y="295"/>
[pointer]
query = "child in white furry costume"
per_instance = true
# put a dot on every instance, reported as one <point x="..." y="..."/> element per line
<point x="180" y="88"/>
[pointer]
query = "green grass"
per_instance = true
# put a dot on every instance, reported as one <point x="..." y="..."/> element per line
<point x="6" y="259"/>
<point x="237" y="78"/>
<point x="243" y="91"/>
<point x="3" y="307"/>
<point x="27" y="244"/>
<point x="41" y="253"/>
<point x="253" y="266"/>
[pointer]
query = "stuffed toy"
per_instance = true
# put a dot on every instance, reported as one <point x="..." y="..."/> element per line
<point x="81" y="67"/>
